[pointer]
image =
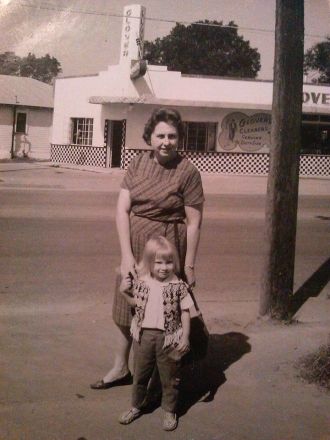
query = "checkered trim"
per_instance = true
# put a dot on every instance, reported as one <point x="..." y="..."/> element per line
<point x="314" y="165"/>
<point x="227" y="163"/>
<point x="78" y="155"/>
<point x="255" y="164"/>
<point x="123" y="140"/>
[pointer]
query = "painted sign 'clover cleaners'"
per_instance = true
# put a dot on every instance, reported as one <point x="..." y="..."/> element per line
<point x="132" y="34"/>
<point x="249" y="133"/>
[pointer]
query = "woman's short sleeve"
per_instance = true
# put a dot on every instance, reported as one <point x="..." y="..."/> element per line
<point x="193" y="189"/>
<point x="127" y="182"/>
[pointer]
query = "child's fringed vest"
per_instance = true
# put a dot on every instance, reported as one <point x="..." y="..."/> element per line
<point x="173" y="293"/>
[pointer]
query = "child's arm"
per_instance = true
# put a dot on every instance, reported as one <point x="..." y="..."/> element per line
<point x="126" y="290"/>
<point x="184" y="345"/>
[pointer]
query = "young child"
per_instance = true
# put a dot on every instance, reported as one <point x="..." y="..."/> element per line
<point x="160" y="327"/>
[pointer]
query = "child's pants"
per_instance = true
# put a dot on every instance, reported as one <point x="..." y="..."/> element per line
<point x="148" y="352"/>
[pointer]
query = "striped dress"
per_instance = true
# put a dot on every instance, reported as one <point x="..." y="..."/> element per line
<point x="159" y="194"/>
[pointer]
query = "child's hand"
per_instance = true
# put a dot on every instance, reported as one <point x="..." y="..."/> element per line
<point x="126" y="283"/>
<point x="183" y="346"/>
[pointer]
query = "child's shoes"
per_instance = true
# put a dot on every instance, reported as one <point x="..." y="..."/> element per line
<point x="129" y="416"/>
<point x="170" y="421"/>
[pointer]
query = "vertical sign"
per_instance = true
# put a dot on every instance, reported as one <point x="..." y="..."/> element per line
<point x="132" y="33"/>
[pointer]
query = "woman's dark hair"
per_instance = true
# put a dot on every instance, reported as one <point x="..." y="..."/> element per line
<point x="170" y="116"/>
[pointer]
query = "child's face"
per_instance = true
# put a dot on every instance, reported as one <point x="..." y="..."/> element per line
<point x="163" y="267"/>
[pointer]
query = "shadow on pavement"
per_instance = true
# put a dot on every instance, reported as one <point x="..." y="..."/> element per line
<point x="311" y="287"/>
<point x="201" y="381"/>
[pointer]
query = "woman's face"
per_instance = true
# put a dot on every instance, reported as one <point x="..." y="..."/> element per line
<point x="164" y="140"/>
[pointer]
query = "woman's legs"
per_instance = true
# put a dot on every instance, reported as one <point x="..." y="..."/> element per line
<point x="122" y="350"/>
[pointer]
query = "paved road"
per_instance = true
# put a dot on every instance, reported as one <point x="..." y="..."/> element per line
<point x="59" y="250"/>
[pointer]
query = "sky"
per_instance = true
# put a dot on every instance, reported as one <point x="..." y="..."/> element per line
<point x="85" y="35"/>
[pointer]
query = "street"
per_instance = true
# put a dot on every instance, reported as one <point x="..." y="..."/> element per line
<point x="59" y="251"/>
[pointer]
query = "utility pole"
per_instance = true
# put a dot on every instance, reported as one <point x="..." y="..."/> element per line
<point x="283" y="179"/>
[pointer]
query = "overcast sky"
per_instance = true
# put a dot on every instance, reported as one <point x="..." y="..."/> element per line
<point x="85" y="35"/>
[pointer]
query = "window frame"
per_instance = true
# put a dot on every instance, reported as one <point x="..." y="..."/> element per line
<point x="205" y="134"/>
<point x="315" y="134"/>
<point x="86" y="125"/>
<point x="18" y="113"/>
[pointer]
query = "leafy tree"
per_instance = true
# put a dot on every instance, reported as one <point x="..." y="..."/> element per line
<point x="317" y="58"/>
<point x="44" y="69"/>
<point x="205" y="48"/>
<point x="9" y="64"/>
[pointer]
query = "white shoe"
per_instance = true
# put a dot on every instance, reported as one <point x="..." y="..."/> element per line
<point x="170" y="421"/>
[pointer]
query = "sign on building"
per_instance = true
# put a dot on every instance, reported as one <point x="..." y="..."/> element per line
<point x="132" y="36"/>
<point x="248" y="133"/>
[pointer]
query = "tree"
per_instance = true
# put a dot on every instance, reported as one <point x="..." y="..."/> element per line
<point x="9" y="64"/>
<point x="44" y="69"/>
<point x="317" y="58"/>
<point x="205" y="48"/>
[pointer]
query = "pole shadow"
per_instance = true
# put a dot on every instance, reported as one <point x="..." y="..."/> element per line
<point x="311" y="287"/>
<point x="201" y="380"/>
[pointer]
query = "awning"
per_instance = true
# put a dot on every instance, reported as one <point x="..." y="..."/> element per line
<point x="152" y="100"/>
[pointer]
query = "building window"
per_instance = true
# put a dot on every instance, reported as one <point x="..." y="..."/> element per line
<point x="82" y="131"/>
<point x="199" y="136"/>
<point x="21" y="122"/>
<point x="315" y="134"/>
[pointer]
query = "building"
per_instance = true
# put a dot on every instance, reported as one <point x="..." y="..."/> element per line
<point x="99" y="119"/>
<point x="26" y="111"/>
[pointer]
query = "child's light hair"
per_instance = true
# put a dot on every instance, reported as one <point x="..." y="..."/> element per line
<point x="160" y="247"/>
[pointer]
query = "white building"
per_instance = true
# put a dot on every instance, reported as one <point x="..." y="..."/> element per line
<point x="99" y="119"/>
<point x="26" y="111"/>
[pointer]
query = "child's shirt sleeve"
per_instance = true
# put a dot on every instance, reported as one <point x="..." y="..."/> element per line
<point x="186" y="301"/>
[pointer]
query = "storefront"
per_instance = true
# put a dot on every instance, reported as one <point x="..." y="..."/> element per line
<point x="99" y="119"/>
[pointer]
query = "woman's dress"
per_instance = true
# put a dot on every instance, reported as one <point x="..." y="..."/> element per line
<point x="159" y="194"/>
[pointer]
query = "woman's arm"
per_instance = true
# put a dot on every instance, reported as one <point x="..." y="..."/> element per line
<point x="124" y="233"/>
<point x="184" y="345"/>
<point x="194" y="216"/>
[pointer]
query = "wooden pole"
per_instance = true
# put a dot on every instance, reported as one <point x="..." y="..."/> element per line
<point x="283" y="179"/>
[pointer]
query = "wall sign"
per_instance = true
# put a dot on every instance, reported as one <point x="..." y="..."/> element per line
<point x="132" y="37"/>
<point x="250" y="133"/>
<point x="316" y="98"/>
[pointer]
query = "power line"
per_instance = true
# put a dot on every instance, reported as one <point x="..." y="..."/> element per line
<point x="51" y="7"/>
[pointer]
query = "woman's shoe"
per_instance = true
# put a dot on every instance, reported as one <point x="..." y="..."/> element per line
<point x="129" y="416"/>
<point x="101" y="385"/>
<point x="170" y="421"/>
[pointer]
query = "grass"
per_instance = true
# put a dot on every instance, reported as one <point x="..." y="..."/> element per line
<point x="315" y="367"/>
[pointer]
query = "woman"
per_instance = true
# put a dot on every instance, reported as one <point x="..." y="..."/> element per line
<point x="161" y="194"/>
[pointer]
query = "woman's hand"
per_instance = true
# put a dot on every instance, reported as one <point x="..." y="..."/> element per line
<point x="128" y="267"/>
<point x="183" y="346"/>
<point x="190" y="276"/>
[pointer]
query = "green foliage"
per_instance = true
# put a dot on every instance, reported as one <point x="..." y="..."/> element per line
<point x="317" y="58"/>
<point x="44" y="69"/>
<point x="205" y="48"/>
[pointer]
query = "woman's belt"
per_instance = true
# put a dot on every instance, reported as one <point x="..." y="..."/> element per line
<point x="166" y="224"/>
